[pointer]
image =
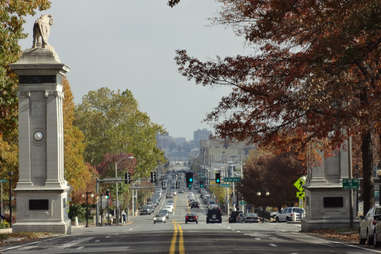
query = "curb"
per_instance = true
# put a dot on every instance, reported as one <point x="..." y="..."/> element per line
<point x="5" y="230"/>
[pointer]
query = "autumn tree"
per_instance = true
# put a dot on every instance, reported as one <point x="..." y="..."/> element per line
<point x="112" y="124"/>
<point x="273" y="173"/>
<point x="12" y="20"/>
<point x="316" y="71"/>
<point x="80" y="176"/>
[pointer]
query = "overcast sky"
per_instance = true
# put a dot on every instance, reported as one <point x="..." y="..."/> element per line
<point x="130" y="44"/>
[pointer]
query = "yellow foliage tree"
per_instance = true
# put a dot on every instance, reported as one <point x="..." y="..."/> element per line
<point x="80" y="176"/>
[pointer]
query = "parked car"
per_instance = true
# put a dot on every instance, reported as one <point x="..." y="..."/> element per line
<point x="214" y="215"/>
<point x="236" y="216"/>
<point x="252" y="217"/>
<point x="273" y="216"/>
<point x="190" y="217"/>
<point x="160" y="217"/>
<point x="287" y="213"/>
<point x="370" y="224"/>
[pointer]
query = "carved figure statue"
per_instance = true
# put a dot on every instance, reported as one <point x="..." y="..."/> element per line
<point x="41" y="31"/>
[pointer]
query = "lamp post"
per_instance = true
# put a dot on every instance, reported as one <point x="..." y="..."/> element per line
<point x="10" y="198"/>
<point x="116" y="185"/>
<point x="87" y="206"/>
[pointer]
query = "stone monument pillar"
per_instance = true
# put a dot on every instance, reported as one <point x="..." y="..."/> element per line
<point x="327" y="203"/>
<point x="41" y="191"/>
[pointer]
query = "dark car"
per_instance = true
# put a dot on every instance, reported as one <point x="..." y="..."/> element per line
<point x="189" y="217"/>
<point x="236" y="216"/>
<point x="146" y="210"/>
<point x="214" y="215"/>
<point x="194" y="204"/>
<point x="252" y="217"/>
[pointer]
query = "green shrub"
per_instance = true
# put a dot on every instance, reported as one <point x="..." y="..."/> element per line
<point x="4" y="224"/>
<point x="77" y="210"/>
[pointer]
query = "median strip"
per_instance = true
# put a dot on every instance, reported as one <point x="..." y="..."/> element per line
<point x="177" y="229"/>
<point x="172" y="248"/>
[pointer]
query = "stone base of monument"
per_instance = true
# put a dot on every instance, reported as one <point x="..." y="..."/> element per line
<point x="42" y="210"/>
<point x="327" y="208"/>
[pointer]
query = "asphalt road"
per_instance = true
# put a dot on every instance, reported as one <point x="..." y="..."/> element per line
<point x="142" y="236"/>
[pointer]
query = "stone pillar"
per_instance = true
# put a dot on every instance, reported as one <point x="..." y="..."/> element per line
<point x="41" y="191"/>
<point x="327" y="203"/>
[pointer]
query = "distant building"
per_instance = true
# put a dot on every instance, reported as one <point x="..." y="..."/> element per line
<point x="201" y="134"/>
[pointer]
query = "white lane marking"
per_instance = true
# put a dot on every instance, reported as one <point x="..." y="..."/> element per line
<point x="80" y="248"/>
<point x="72" y="243"/>
<point x="273" y="245"/>
<point x="107" y="236"/>
<point x="257" y="238"/>
<point x="29" y="247"/>
<point x="97" y="241"/>
<point x="238" y="231"/>
<point x="130" y="229"/>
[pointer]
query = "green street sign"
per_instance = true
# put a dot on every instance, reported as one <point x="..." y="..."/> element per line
<point x="353" y="183"/>
<point x="3" y="180"/>
<point x="242" y="202"/>
<point x="232" y="179"/>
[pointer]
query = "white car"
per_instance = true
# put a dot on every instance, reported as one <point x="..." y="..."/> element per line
<point x="368" y="226"/>
<point x="287" y="213"/>
<point x="169" y="208"/>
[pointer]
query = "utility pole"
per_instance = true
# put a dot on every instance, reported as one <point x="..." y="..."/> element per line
<point x="10" y="198"/>
<point x="350" y="177"/>
<point x="116" y="193"/>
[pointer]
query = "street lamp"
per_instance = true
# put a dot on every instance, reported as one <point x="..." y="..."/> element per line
<point x="87" y="205"/>
<point x="116" y="185"/>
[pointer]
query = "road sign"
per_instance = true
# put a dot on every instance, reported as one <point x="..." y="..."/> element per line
<point x="3" y="180"/>
<point x="242" y="202"/>
<point x="225" y="185"/>
<point x="353" y="183"/>
<point x="299" y="184"/>
<point x="232" y="179"/>
<point x="300" y="194"/>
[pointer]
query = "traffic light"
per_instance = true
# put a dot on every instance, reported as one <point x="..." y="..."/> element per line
<point x="189" y="178"/>
<point x="127" y="178"/>
<point x="107" y="194"/>
<point x="153" y="177"/>
<point x="218" y="178"/>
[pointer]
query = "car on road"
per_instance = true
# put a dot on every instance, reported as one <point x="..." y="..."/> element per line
<point x="164" y="211"/>
<point x="214" y="215"/>
<point x="169" y="208"/>
<point x="194" y="204"/>
<point x="252" y="217"/>
<point x="190" y="217"/>
<point x="236" y="216"/>
<point x="287" y="214"/>
<point x="368" y="226"/>
<point x="169" y="195"/>
<point x="146" y="210"/>
<point x="160" y="217"/>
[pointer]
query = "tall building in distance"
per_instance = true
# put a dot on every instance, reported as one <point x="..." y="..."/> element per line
<point x="201" y="134"/>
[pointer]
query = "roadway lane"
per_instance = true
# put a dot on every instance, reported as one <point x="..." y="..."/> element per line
<point x="142" y="236"/>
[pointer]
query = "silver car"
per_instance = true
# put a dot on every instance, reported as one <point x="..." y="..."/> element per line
<point x="370" y="226"/>
<point x="160" y="217"/>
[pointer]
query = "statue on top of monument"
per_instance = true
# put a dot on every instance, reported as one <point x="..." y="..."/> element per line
<point x="41" y="31"/>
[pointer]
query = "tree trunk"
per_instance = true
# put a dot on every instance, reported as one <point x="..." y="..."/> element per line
<point x="367" y="162"/>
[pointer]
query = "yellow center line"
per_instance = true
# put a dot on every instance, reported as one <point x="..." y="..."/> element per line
<point x="172" y="249"/>
<point x="181" y="240"/>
